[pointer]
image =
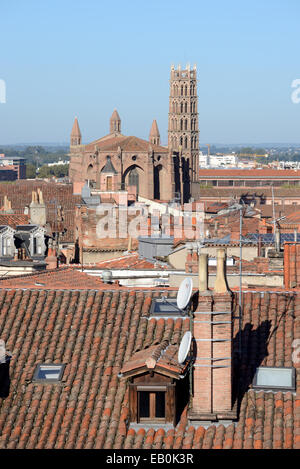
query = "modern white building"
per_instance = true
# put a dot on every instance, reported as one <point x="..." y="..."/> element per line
<point x="218" y="161"/>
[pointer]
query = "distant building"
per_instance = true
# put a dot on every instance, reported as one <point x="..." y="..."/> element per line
<point x="217" y="161"/>
<point x="247" y="178"/>
<point x="12" y="168"/>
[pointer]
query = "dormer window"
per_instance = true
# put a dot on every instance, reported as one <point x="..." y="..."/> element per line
<point x="157" y="384"/>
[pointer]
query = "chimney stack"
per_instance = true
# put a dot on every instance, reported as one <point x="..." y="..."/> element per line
<point x="221" y="282"/>
<point x="51" y="259"/>
<point x="212" y="330"/>
<point x="37" y="209"/>
<point x="203" y="273"/>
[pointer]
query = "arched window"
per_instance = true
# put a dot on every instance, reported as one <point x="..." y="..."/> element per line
<point x="90" y="171"/>
<point x="185" y="107"/>
<point x="181" y="107"/>
<point x="181" y="90"/>
<point x="133" y="179"/>
<point x="181" y="124"/>
<point x="185" y="124"/>
<point x="185" y="90"/>
<point x="181" y="141"/>
<point x="185" y="142"/>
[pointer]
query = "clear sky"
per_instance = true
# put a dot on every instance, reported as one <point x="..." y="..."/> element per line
<point x="61" y="58"/>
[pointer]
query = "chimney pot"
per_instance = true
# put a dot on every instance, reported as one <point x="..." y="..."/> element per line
<point x="221" y="282"/>
<point x="203" y="272"/>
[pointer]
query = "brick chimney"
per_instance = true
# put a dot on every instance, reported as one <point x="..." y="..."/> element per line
<point x="7" y="206"/>
<point x="37" y="209"/>
<point x="51" y="259"/>
<point x="212" y="331"/>
<point x="291" y="263"/>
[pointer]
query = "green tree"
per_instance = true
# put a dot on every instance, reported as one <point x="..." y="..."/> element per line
<point x="30" y="171"/>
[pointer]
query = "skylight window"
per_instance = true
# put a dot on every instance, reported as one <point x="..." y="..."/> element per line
<point x="166" y="307"/>
<point x="274" y="379"/>
<point x="48" y="373"/>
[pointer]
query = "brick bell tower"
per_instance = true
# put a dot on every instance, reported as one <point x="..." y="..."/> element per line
<point x="183" y="127"/>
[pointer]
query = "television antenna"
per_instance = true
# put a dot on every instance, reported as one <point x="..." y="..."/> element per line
<point x="184" y="347"/>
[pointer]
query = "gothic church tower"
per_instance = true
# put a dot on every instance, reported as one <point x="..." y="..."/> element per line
<point x="183" y="133"/>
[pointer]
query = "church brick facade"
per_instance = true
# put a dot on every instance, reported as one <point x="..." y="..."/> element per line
<point x="143" y="168"/>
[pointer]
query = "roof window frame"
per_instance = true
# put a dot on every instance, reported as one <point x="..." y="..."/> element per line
<point x="275" y="388"/>
<point x="37" y="370"/>
<point x="168" y="313"/>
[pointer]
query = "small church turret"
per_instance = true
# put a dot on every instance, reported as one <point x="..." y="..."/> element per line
<point x="115" y="123"/>
<point x="154" y="137"/>
<point x="75" y="134"/>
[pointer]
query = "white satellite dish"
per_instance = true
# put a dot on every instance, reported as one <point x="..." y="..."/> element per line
<point x="184" y="292"/>
<point x="184" y="347"/>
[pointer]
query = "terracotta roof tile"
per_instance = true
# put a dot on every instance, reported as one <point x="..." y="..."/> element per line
<point x="130" y="261"/>
<point x="249" y="173"/>
<point x="20" y="195"/>
<point x="65" y="278"/>
<point x="95" y="332"/>
<point x="129" y="143"/>
<point x="13" y="220"/>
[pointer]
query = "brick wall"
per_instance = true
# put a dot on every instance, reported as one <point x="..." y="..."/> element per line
<point x="212" y="331"/>
<point x="291" y="265"/>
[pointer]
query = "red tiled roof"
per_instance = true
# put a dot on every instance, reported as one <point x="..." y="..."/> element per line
<point x="280" y="210"/>
<point x="20" y="194"/>
<point x="65" y="278"/>
<point x="162" y="355"/>
<point x="95" y="333"/>
<point x="130" y="261"/>
<point x="291" y="219"/>
<point x="13" y="220"/>
<point x="129" y="143"/>
<point x="112" y="244"/>
<point x="238" y="191"/>
<point x="249" y="173"/>
<point x="214" y="207"/>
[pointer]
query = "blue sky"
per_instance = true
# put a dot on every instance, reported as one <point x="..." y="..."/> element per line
<point x="65" y="58"/>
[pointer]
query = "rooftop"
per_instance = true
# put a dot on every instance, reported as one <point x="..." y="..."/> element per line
<point x="54" y="194"/>
<point x="95" y="333"/>
<point x="249" y="173"/>
<point x="129" y="143"/>
<point x="130" y="261"/>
